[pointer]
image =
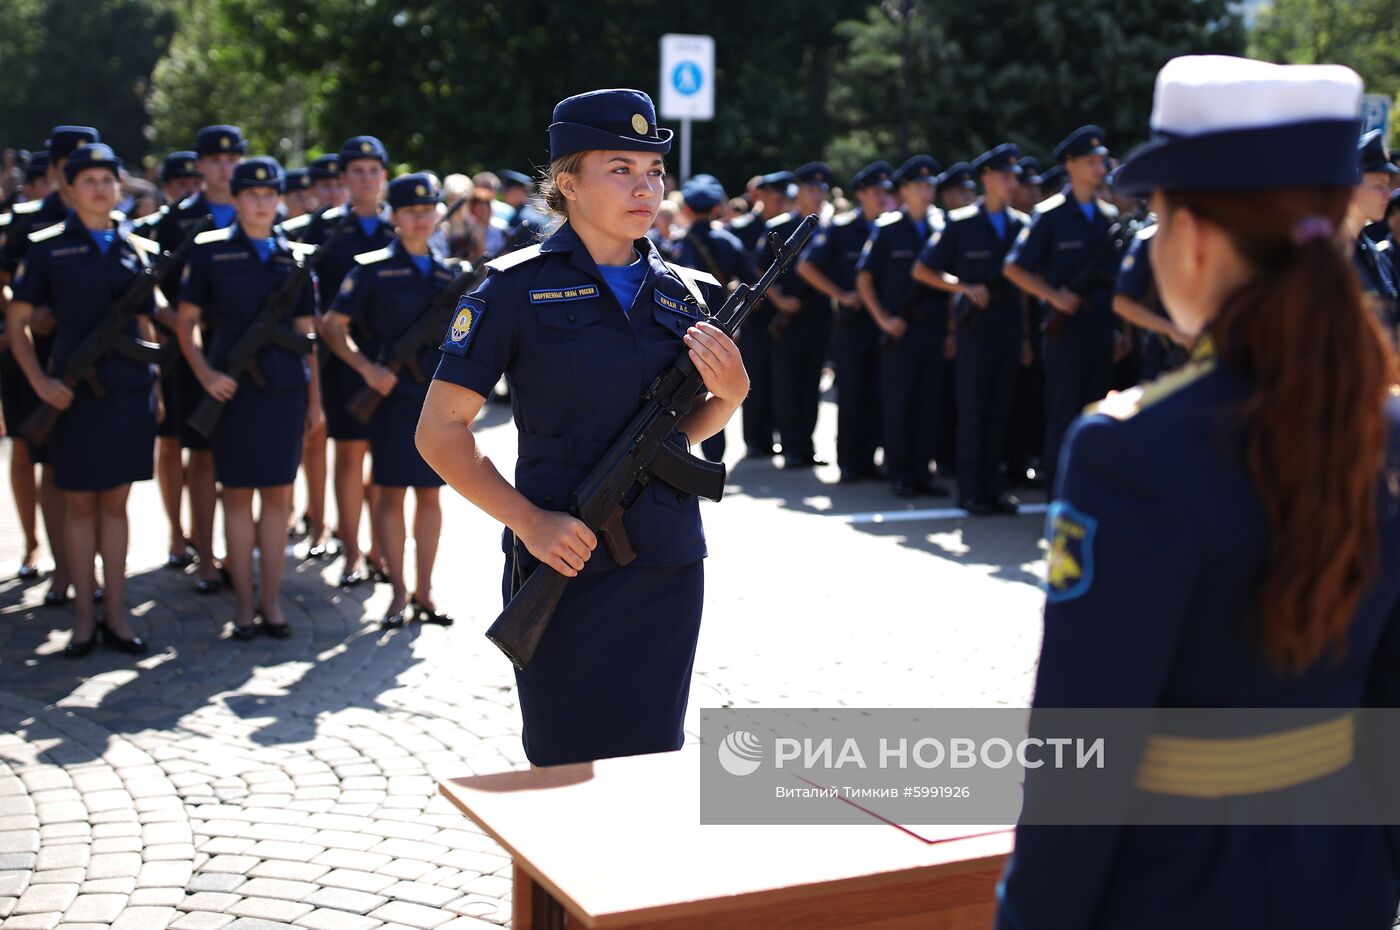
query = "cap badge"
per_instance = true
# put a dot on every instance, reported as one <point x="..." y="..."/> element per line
<point x="80" y="143"/>
<point x="98" y="156"/>
<point x="639" y="124"/>
<point x="224" y="142"/>
<point x="366" y="147"/>
<point x="188" y="165"/>
<point x="421" y="191"/>
<point x="261" y="174"/>
<point x="1094" y="143"/>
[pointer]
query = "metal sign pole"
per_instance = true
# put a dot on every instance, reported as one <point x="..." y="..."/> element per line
<point x="685" y="150"/>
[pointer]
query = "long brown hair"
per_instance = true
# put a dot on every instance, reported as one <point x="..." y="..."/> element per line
<point x="1321" y="368"/>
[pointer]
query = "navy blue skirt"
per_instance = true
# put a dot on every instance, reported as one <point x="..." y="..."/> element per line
<point x="100" y="443"/>
<point x="185" y="394"/>
<point x="16" y="396"/>
<point x="611" y="676"/>
<point x="258" y="441"/>
<point x="339" y="383"/>
<point x="394" y="456"/>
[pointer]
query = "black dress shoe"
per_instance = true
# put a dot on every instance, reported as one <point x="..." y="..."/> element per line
<point x="352" y="578"/>
<point x="76" y="649"/>
<point x="245" y="633"/>
<point x="135" y="646"/>
<point x="276" y="630"/>
<point x="208" y="586"/>
<point x="27" y="572"/>
<point x="392" y="621"/>
<point x="54" y="598"/>
<point x="904" y="488"/>
<point x="183" y="560"/>
<point x="933" y="488"/>
<point x="430" y="616"/>
<point x="1006" y="504"/>
<point x="975" y="507"/>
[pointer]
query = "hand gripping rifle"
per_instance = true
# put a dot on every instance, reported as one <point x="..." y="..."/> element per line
<point x="266" y="330"/>
<point x="639" y="455"/>
<point x="111" y="336"/>
<point x="426" y="332"/>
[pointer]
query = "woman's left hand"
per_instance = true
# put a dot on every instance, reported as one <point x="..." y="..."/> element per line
<point x="717" y="359"/>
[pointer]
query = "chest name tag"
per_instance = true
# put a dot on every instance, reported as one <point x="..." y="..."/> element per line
<point x="549" y="296"/>
<point x="230" y="256"/>
<point x="1073" y="244"/>
<point x="670" y="303"/>
<point x="74" y="250"/>
<point x="465" y="322"/>
<point x="974" y="256"/>
<point x="394" y="273"/>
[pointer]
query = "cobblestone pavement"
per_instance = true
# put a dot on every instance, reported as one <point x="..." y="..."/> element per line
<point x="250" y="786"/>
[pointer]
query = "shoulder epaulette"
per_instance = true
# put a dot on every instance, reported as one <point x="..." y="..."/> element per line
<point x="1108" y="209"/>
<point x="214" y="235"/>
<point x="962" y="213"/>
<point x="1017" y="215"/>
<point x="1122" y="405"/>
<point x="29" y="206"/>
<point x="778" y="220"/>
<point x="48" y="232"/>
<point x="297" y="222"/>
<point x="151" y="219"/>
<point x="1383" y="245"/>
<point x="142" y="244"/>
<point x="885" y="219"/>
<point x="739" y="222"/>
<point x="334" y="213"/>
<point x="500" y="223"/>
<point x="845" y="219"/>
<point x="118" y="216"/>
<point x="1050" y="203"/>
<point x="369" y="258"/>
<point x="511" y="259"/>
<point x="301" y="249"/>
<point x="6" y="219"/>
<point x="1147" y="232"/>
<point x="187" y="202"/>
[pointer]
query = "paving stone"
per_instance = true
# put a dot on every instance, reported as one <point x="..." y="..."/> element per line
<point x="124" y="884"/>
<point x="277" y="888"/>
<point x="286" y="869"/>
<point x="412" y="915"/>
<point x="209" y="901"/>
<point x="38" y="899"/>
<point x="201" y="921"/>
<point x="63" y="857"/>
<point x="19" y="841"/>
<point x="269" y="909"/>
<point x="346" y="899"/>
<point x="419" y="893"/>
<point x="116" y="844"/>
<point x="337" y="920"/>
<point x="356" y="881"/>
<point x="215" y="881"/>
<point x="157" y="897"/>
<point x="98" y="908"/>
<point x="145" y="918"/>
<point x="278" y="849"/>
<point x="239" y="864"/>
<point x="347" y="859"/>
<point x="33" y="921"/>
<point x="164" y="875"/>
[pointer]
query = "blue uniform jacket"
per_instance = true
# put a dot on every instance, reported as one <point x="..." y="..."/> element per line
<point x="64" y="270"/>
<point x="969" y="248"/>
<point x="227" y="280"/>
<point x="1058" y="244"/>
<point x="1377" y="274"/>
<point x="333" y="267"/>
<point x="577" y="365"/>
<point x="1157" y="540"/>
<point x="889" y="256"/>
<point x="26" y="218"/>
<point x="835" y="248"/>
<point x="724" y="248"/>
<point x="385" y="294"/>
<point x="171" y="230"/>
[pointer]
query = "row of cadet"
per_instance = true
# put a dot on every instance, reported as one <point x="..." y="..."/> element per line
<point x="915" y="288"/>
<point x="218" y="367"/>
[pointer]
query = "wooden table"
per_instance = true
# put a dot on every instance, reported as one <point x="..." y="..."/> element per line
<point x="619" y="843"/>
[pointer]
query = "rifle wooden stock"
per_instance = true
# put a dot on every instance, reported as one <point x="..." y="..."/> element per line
<point x="367" y="400"/>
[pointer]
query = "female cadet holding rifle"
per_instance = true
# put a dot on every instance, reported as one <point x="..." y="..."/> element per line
<point x="385" y="294"/>
<point x="101" y="443"/>
<point x="257" y="443"/>
<point x="580" y="324"/>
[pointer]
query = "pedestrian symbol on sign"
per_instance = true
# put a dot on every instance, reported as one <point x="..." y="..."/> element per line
<point x="687" y="78"/>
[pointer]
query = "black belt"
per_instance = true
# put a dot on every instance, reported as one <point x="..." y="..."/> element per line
<point x="563" y="449"/>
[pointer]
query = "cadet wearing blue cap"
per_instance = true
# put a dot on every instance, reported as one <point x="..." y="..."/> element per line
<point x="515" y="194"/>
<point x="384" y="295"/>
<point x="771" y="194"/>
<point x="28" y="218"/>
<point x="801" y="331"/>
<point x="580" y="324"/>
<point x="828" y="265"/>
<point x="1063" y="258"/>
<point x="1222" y="538"/>
<point x="299" y="198"/>
<point x="103" y="440"/>
<point x="257" y="444"/>
<point x="327" y="183"/>
<point x="989" y="317"/>
<point x="1368" y="205"/>
<point x="1135" y="299"/>
<point x="914" y="330"/>
<point x="709" y="246"/>
<point x="1028" y="191"/>
<point x="218" y="149"/>
<point x="363" y="163"/>
<point x="957" y="187"/>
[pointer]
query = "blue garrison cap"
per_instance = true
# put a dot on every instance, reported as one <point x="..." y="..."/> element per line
<point x="778" y="180"/>
<point x="179" y="165"/>
<point x="409" y="190"/>
<point x="1054" y="179"/>
<point x="297" y="179"/>
<point x="38" y="165"/>
<point x="702" y="193"/>
<point x="1372" y="156"/>
<point x="1005" y="157"/>
<point x="959" y="174"/>
<point x="1031" y="169"/>
<point x="257" y="172"/>
<point x="814" y="172"/>
<point x="363" y="147"/>
<point x="917" y="168"/>
<point x="63" y="140"/>
<point x="1086" y="140"/>
<point x="217" y="140"/>
<point x="324" y="167"/>
<point x="616" y="119"/>
<point x="876" y="174"/>
<point x="510" y="178"/>
<point x="95" y="155"/>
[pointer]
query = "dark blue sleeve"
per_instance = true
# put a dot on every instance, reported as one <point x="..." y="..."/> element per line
<point x="874" y="253"/>
<point x="353" y="297"/>
<point x="307" y="299"/>
<point x="819" y="248"/>
<point x="938" y="252"/>
<point x="1113" y="535"/>
<point x="1135" y="272"/>
<point x="1032" y="248"/>
<point x="32" y="282"/>
<point x="195" y="283"/>
<point x="480" y="341"/>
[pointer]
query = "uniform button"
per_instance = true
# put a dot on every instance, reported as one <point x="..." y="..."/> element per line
<point x="680" y="498"/>
<point x="680" y="327"/>
<point x="573" y="317"/>
<point x="549" y="498"/>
